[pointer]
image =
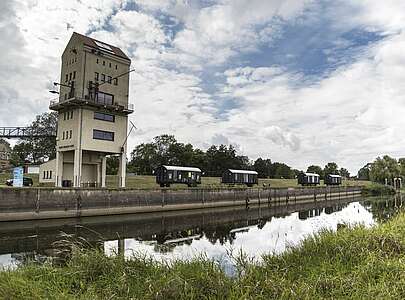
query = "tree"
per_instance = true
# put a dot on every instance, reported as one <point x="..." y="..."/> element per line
<point x="262" y="167"/>
<point x="281" y="170"/>
<point x="37" y="149"/>
<point x="113" y="163"/>
<point x="364" y="172"/>
<point x="144" y="159"/>
<point x="317" y="170"/>
<point x="331" y="168"/>
<point x="21" y="154"/>
<point x="344" y="173"/>
<point x="384" y="168"/>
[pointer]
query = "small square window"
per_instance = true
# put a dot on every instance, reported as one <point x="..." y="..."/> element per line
<point x="116" y="67"/>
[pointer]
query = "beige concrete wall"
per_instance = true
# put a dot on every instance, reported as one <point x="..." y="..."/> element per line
<point x="45" y="169"/>
<point x="119" y="91"/>
<point x="71" y="62"/>
<point x="119" y="127"/>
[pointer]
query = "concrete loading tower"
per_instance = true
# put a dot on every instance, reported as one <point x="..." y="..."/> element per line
<point x="93" y="114"/>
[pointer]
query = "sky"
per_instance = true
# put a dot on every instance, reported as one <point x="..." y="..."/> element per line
<point x="300" y="82"/>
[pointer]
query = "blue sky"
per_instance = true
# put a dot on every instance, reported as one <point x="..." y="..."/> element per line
<point x="302" y="82"/>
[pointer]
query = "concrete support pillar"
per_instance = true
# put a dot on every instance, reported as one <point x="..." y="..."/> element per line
<point x="58" y="168"/>
<point x="103" y="171"/>
<point x="77" y="168"/>
<point x="99" y="174"/>
<point x="122" y="170"/>
<point x="121" y="247"/>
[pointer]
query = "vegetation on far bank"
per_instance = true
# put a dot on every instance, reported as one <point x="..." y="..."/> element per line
<point x="377" y="189"/>
<point x="352" y="263"/>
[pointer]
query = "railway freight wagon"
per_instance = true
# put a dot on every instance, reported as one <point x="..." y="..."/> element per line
<point x="231" y="176"/>
<point x="308" y="179"/>
<point x="331" y="179"/>
<point x="167" y="175"/>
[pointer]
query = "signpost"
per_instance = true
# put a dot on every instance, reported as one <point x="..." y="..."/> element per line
<point x="18" y="175"/>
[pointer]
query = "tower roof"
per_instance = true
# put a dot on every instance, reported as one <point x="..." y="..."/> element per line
<point x="101" y="46"/>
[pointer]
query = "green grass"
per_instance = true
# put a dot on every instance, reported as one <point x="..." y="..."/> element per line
<point x="148" y="182"/>
<point x="352" y="263"/>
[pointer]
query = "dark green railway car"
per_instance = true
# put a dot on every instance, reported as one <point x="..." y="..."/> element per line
<point x="232" y="176"/>
<point x="167" y="175"/>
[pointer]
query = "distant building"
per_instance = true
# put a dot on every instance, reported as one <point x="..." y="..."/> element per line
<point x="31" y="169"/>
<point x="5" y="152"/>
<point x="93" y="114"/>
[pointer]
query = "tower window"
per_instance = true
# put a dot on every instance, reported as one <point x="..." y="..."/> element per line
<point x="96" y="76"/>
<point x="71" y="114"/>
<point x="63" y="135"/>
<point x="103" y="135"/>
<point x="104" y="98"/>
<point x="109" y="79"/>
<point x="70" y="133"/>
<point x="97" y="60"/>
<point x="104" y="117"/>
<point x="74" y="74"/>
<point x="103" y="62"/>
<point x="115" y="81"/>
<point x="67" y="78"/>
<point x="110" y="65"/>
<point x="102" y="77"/>
<point x="116" y="67"/>
<point x="70" y="76"/>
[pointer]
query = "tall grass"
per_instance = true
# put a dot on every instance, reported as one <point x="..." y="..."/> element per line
<point x="352" y="263"/>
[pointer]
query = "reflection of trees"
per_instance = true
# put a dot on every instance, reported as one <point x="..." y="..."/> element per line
<point x="305" y="214"/>
<point x="385" y="207"/>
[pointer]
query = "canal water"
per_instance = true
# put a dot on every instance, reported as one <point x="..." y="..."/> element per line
<point x="218" y="234"/>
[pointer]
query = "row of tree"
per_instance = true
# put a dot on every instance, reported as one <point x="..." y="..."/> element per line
<point x="330" y="168"/>
<point x="164" y="149"/>
<point x="383" y="169"/>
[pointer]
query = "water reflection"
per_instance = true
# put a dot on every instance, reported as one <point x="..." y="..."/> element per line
<point x="214" y="233"/>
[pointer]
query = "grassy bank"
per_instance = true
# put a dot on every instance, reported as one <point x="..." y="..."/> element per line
<point x="376" y="189"/>
<point x="146" y="182"/>
<point x="354" y="263"/>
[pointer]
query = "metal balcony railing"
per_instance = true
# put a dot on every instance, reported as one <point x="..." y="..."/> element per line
<point x="75" y="101"/>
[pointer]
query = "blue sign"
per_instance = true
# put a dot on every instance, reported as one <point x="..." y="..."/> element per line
<point x="18" y="175"/>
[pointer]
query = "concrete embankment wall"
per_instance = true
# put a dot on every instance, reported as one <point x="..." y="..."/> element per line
<point x="47" y="203"/>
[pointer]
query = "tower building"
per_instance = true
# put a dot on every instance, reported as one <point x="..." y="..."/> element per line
<point x="93" y="114"/>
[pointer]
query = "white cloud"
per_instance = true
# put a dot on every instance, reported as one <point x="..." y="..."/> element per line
<point x="351" y="116"/>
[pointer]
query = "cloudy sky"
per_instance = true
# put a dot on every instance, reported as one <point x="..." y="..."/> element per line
<point x="302" y="82"/>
